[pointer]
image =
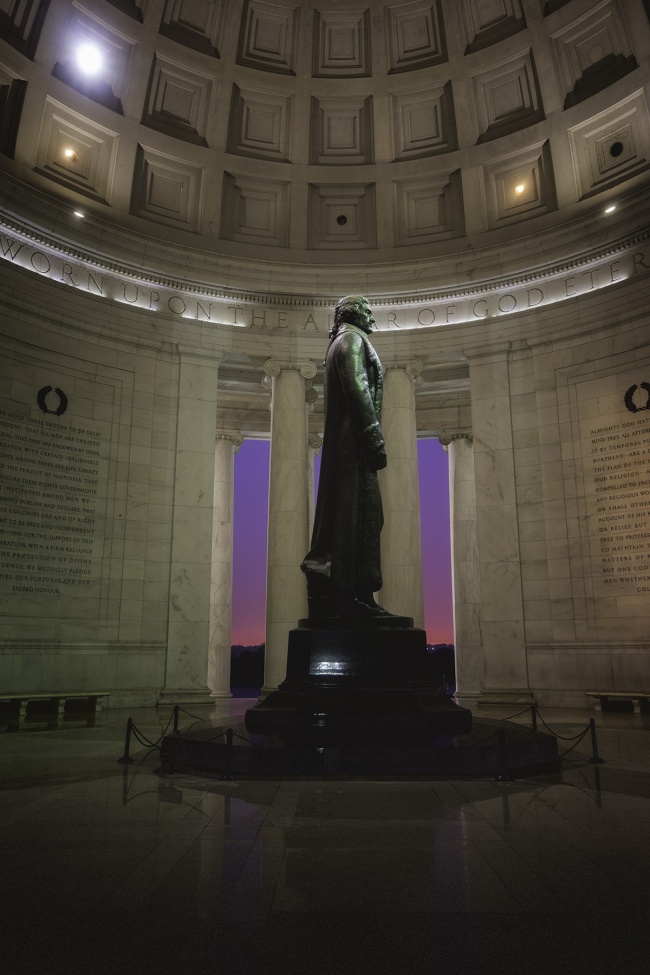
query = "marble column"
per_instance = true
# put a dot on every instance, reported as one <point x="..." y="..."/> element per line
<point x="502" y="618"/>
<point x="191" y="552"/>
<point x="401" y="541"/>
<point x="315" y="444"/>
<point x="226" y="446"/>
<point x="465" y="578"/>
<point x="288" y="538"/>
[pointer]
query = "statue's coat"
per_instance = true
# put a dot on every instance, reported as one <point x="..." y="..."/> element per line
<point x="348" y="518"/>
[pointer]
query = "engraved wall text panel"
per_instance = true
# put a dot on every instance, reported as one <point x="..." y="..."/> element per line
<point x="53" y="478"/>
<point x="616" y="463"/>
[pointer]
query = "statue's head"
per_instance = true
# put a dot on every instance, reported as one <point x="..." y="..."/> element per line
<point x="355" y="310"/>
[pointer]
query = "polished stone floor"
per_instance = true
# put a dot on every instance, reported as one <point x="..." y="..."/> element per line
<point x="115" y="868"/>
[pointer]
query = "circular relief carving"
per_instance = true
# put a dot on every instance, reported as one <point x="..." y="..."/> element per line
<point x="41" y="399"/>
<point x="628" y="399"/>
<point x="596" y="53"/>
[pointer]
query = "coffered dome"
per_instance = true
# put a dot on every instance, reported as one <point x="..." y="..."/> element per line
<point x="302" y="133"/>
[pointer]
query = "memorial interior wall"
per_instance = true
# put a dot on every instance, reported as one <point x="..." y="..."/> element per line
<point x="555" y="401"/>
<point x="195" y="211"/>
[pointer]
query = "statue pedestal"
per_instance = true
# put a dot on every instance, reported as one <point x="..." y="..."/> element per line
<point x="358" y="680"/>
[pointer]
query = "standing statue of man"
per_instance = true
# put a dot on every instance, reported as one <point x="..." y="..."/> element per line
<point x="343" y="566"/>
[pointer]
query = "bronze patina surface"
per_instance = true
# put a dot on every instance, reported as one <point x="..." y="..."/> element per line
<point x="343" y="566"/>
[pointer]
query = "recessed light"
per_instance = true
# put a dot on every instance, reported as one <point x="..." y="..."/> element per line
<point x="78" y="213"/>
<point x="89" y="58"/>
<point x="520" y="188"/>
<point x="610" y="209"/>
<point x="70" y="154"/>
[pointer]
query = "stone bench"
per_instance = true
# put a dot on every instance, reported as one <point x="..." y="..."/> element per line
<point x="18" y="704"/>
<point x="640" y="699"/>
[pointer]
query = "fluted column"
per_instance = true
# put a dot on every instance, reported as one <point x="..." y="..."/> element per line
<point x="466" y="576"/>
<point x="186" y="671"/>
<point x="288" y="538"/>
<point x="401" y="542"/>
<point x="226" y="446"/>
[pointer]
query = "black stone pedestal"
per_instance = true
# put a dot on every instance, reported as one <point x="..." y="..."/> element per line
<point x="358" y="681"/>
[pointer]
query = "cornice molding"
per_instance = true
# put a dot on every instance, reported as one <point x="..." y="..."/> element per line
<point x="47" y="242"/>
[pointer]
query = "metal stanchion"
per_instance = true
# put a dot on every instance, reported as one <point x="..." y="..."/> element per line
<point x="175" y="730"/>
<point x="126" y="759"/>
<point x="228" y="774"/>
<point x="595" y="757"/>
<point x="503" y="775"/>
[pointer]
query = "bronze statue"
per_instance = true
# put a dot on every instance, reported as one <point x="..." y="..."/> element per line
<point x="343" y="566"/>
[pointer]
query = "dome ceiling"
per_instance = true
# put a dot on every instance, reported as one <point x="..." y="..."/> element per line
<point x="333" y="133"/>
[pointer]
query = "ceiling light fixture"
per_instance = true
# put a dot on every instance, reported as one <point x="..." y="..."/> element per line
<point x="519" y="188"/>
<point x="70" y="154"/>
<point x="89" y="58"/>
<point x="611" y="208"/>
<point x="79" y="214"/>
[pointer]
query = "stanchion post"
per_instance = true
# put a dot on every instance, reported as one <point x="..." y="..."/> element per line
<point x="176" y="710"/>
<point x="533" y="715"/>
<point x="126" y="759"/>
<point x="503" y="775"/>
<point x="228" y="774"/>
<point x="595" y="757"/>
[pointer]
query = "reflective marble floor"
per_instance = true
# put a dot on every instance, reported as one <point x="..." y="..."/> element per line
<point x="113" y="868"/>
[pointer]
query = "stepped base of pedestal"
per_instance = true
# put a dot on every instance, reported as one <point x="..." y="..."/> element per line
<point x="479" y="752"/>
<point x="352" y="683"/>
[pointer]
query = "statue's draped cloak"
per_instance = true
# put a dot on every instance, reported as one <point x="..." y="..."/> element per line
<point x="348" y="518"/>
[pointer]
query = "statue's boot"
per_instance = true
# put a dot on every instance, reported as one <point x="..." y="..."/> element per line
<point x="368" y="599"/>
<point x="349" y="604"/>
<point x="321" y="595"/>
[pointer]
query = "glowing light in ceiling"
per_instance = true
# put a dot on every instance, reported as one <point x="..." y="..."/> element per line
<point x="89" y="58"/>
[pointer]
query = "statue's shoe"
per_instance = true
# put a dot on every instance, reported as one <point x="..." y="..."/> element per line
<point x="368" y="600"/>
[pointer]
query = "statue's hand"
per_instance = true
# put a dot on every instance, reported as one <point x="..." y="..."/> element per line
<point x="373" y="447"/>
<point x="377" y="460"/>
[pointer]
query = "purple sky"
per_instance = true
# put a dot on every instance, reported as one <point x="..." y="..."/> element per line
<point x="251" y="519"/>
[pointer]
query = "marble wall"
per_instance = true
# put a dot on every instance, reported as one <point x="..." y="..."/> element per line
<point x="115" y="541"/>
<point x="581" y="458"/>
<point x="89" y="432"/>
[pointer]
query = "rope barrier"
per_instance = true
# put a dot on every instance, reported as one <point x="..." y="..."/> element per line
<point x="132" y="730"/>
<point x="216" y="737"/>
<point x="518" y="714"/>
<point x="189" y="713"/>
<point x="562" y="737"/>
<point x="243" y="738"/>
<point x="575" y="745"/>
<point x="501" y="734"/>
<point x="503" y="775"/>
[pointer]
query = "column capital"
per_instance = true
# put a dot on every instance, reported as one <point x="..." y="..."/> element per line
<point x="412" y="367"/>
<point x="234" y="436"/>
<point x="447" y="438"/>
<point x="306" y="368"/>
<point x="315" y="442"/>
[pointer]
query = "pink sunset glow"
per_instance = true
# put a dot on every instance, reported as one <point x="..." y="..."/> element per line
<point x="250" y="528"/>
